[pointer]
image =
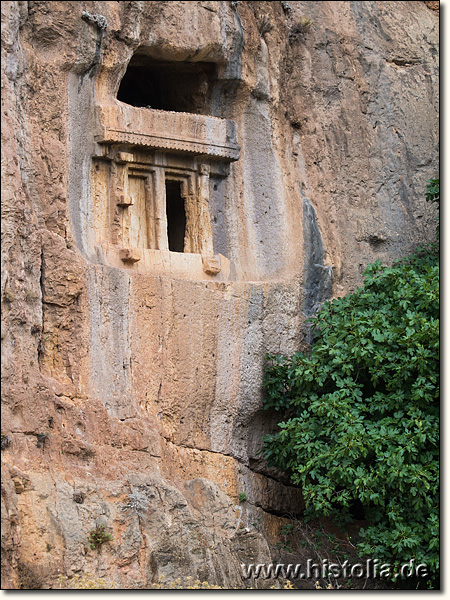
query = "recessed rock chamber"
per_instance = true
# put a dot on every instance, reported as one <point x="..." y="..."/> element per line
<point x="155" y="153"/>
<point x="164" y="85"/>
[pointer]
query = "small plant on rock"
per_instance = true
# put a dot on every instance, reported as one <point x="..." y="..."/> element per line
<point x="287" y="8"/>
<point x="189" y="583"/>
<point x="265" y="27"/>
<point x="300" y="29"/>
<point x="41" y="439"/>
<point x="98" y="537"/>
<point x="85" y="581"/>
<point x="242" y="497"/>
<point x="258" y="524"/>
<point x="6" y="442"/>
<point x="79" y="497"/>
<point x="8" y="294"/>
<point x="137" y="502"/>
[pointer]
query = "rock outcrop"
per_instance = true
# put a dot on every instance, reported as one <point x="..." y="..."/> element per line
<point x="290" y="144"/>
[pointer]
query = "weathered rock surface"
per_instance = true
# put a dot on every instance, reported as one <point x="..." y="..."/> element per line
<point x="132" y="389"/>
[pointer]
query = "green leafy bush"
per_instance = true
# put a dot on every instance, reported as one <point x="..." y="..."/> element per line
<point x="361" y="426"/>
<point x="433" y="193"/>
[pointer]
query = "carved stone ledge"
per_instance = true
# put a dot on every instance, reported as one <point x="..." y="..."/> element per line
<point x="178" y="132"/>
<point x="211" y="265"/>
<point x="125" y="200"/>
<point x="129" y="255"/>
<point x="183" y="265"/>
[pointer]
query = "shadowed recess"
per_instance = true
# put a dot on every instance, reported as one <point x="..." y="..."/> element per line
<point x="176" y="216"/>
<point x="173" y="86"/>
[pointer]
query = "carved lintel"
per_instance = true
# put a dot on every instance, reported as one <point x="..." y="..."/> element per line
<point x="130" y="255"/>
<point x="211" y="265"/>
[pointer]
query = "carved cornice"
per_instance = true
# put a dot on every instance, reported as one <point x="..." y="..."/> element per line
<point x="158" y="129"/>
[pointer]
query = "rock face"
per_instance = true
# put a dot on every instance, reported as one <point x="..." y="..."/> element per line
<point x="182" y="183"/>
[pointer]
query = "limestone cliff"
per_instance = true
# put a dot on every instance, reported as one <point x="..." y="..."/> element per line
<point x="182" y="182"/>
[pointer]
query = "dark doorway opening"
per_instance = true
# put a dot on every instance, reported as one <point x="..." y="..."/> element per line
<point x="173" y="86"/>
<point x="176" y="216"/>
